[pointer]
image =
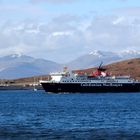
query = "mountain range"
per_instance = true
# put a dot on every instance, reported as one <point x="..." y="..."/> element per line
<point x="96" y="57"/>
<point x="127" y="67"/>
<point x="18" y="66"/>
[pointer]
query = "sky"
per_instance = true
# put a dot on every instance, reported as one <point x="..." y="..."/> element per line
<point x="62" y="30"/>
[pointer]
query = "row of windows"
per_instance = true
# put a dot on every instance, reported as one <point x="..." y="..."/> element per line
<point x="79" y="81"/>
<point x="71" y="81"/>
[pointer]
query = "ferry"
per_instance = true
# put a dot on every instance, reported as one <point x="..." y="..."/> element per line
<point x="97" y="82"/>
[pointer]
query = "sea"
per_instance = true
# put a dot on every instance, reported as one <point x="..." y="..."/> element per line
<point x="36" y="115"/>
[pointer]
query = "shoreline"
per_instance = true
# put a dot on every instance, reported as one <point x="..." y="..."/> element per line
<point x="20" y="87"/>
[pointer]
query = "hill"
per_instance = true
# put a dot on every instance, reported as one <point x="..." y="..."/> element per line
<point x="17" y="66"/>
<point x="128" y="67"/>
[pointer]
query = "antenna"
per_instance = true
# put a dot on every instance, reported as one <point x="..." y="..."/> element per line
<point x="100" y="67"/>
<point x="101" y="64"/>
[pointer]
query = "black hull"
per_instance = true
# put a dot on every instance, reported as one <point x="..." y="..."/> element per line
<point x="90" y="88"/>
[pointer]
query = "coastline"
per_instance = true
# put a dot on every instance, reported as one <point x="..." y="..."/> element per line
<point x="20" y="87"/>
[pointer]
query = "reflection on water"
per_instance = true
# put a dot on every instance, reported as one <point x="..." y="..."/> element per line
<point x="37" y="115"/>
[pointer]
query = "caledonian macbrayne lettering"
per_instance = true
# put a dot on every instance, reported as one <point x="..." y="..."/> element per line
<point x="104" y="84"/>
<point x="99" y="81"/>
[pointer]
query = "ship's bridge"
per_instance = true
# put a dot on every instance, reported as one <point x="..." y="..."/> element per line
<point x="56" y="77"/>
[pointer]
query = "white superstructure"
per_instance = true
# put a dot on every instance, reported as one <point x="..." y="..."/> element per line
<point x="69" y="77"/>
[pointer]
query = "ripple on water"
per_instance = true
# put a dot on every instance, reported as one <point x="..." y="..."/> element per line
<point x="69" y="116"/>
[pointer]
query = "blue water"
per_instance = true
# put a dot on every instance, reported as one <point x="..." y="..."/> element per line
<point x="37" y="115"/>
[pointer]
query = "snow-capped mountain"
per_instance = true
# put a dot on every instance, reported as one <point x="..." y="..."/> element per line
<point x="94" y="58"/>
<point x="17" y="66"/>
<point x="129" y="54"/>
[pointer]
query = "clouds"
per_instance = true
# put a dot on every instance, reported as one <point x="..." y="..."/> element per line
<point x="131" y="11"/>
<point x="63" y="40"/>
<point x="41" y="39"/>
<point x="67" y="1"/>
<point x="54" y="1"/>
<point x="104" y="34"/>
<point x="44" y="30"/>
<point x="20" y="11"/>
<point x="64" y="1"/>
